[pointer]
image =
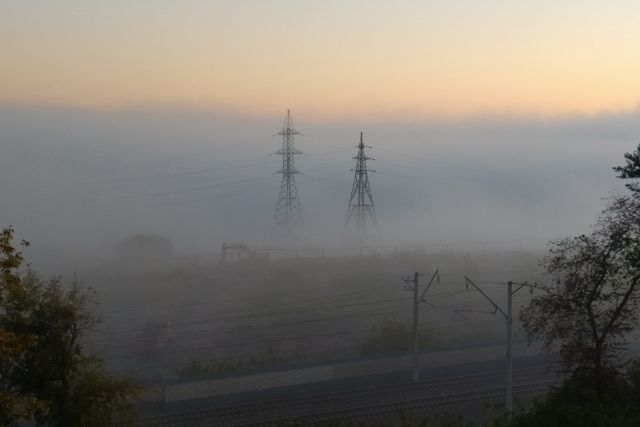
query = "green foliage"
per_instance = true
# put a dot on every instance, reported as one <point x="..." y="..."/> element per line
<point x="590" y="310"/>
<point x="576" y="403"/>
<point x="45" y="374"/>
<point x="97" y="399"/>
<point x="15" y="346"/>
<point x="592" y="303"/>
<point x="631" y="170"/>
<point x="391" y="336"/>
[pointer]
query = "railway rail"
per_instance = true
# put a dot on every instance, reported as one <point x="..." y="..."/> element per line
<point x="365" y="402"/>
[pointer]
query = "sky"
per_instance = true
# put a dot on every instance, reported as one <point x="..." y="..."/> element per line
<point x="489" y="121"/>
<point x="329" y="60"/>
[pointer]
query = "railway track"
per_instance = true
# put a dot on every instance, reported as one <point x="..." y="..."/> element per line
<point x="377" y="401"/>
<point x="385" y="410"/>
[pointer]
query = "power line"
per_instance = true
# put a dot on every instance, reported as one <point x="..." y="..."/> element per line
<point x="222" y="331"/>
<point x="258" y="315"/>
<point x="340" y="297"/>
<point x="446" y="326"/>
<point x="263" y="342"/>
<point x="188" y="173"/>
<point x="160" y="193"/>
<point x="328" y="306"/>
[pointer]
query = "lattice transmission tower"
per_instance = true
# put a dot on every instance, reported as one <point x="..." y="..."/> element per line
<point x="361" y="207"/>
<point x="288" y="206"/>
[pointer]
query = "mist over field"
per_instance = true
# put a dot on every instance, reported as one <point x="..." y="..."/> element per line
<point x="457" y="243"/>
<point x="76" y="182"/>
<point x="479" y="197"/>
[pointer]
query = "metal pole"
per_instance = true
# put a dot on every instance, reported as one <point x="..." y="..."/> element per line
<point x="509" y="318"/>
<point x="416" y="344"/>
<point x="509" y="396"/>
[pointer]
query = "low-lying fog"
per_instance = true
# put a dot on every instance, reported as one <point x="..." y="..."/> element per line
<point x="194" y="318"/>
<point x="74" y="183"/>
<point x="479" y="198"/>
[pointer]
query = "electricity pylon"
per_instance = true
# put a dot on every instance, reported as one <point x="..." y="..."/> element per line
<point x="361" y="205"/>
<point x="288" y="206"/>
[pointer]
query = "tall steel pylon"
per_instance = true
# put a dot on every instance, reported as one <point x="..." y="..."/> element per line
<point x="288" y="206"/>
<point x="361" y="204"/>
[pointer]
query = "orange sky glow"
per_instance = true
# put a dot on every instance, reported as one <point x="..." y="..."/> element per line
<point x="325" y="60"/>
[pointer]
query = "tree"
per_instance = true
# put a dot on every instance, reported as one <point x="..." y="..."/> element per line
<point x="631" y="169"/>
<point x="46" y="374"/>
<point x="14" y="347"/>
<point x="591" y="304"/>
<point x="574" y="405"/>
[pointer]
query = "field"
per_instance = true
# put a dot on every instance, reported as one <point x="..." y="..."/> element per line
<point x="167" y="318"/>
